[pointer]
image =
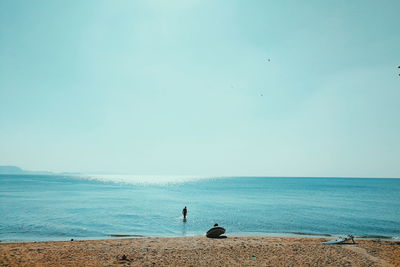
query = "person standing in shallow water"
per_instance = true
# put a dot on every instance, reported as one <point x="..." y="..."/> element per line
<point x="184" y="212"/>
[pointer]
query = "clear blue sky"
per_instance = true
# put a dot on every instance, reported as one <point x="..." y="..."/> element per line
<point x="185" y="87"/>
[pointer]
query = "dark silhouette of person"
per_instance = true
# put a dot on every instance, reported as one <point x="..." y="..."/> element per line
<point x="216" y="232"/>
<point x="184" y="212"/>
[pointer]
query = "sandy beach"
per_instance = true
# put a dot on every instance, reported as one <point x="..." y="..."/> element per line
<point x="201" y="251"/>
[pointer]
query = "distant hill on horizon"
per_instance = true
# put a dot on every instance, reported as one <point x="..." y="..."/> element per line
<point x="11" y="170"/>
<point x="17" y="170"/>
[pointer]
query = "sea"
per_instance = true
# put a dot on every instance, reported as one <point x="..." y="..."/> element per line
<point x="82" y="207"/>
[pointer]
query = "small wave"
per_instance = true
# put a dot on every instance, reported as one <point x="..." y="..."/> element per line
<point x="312" y="234"/>
<point x="375" y="236"/>
<point x="122" y="235"/>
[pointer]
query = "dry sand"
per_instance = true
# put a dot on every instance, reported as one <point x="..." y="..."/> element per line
<point x="201" y="251"/>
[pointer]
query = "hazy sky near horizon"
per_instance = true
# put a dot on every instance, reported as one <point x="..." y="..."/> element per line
<point x="186" y="87"/>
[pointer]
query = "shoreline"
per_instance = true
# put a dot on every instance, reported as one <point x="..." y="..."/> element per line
<point x="201" y="251"/>
<point x="278" y="235"/>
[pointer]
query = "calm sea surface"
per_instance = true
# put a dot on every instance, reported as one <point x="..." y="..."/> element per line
<point x="43" y="207"/>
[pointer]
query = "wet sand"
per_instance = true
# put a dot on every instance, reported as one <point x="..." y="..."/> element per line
<point x="201" y="251"/>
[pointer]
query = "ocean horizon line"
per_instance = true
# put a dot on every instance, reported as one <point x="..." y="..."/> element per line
<point x="16" y="170"/>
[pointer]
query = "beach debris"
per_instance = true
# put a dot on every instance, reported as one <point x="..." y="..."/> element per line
<point x="253" y="258"/>
<point x="123" y="258"/>
<point x="72" y="239"/>
<point x="36" y="249"/>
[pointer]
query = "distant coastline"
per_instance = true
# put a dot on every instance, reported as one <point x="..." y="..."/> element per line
<point x="14" y="170"/>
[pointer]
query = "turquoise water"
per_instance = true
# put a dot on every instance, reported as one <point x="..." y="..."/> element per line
<point x="34" y="207"/>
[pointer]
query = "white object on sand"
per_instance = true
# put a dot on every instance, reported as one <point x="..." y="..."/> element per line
<point x="340" y="240"/>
